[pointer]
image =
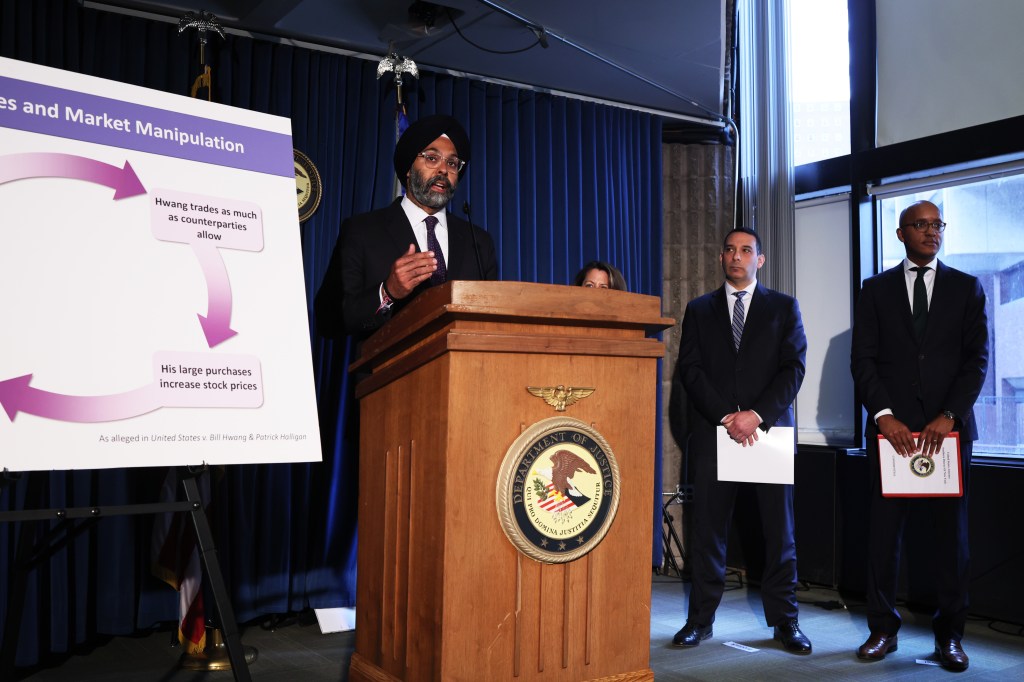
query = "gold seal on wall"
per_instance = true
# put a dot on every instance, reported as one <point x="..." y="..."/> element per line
<point x="308" y="188"/>
<point x="558" y="490"/>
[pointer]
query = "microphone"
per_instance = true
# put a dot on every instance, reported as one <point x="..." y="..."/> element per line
<point x="472" y="234"/>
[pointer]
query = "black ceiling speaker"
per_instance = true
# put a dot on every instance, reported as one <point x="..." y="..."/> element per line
<point x="424" y="13"/>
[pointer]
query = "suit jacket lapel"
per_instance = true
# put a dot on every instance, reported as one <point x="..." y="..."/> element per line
<point x="456" y="248"/>
<point x="398" y="228"/>
<point x="896" y="287"/>
<point x="757" y="308"/>
<point x="939" y="295"/>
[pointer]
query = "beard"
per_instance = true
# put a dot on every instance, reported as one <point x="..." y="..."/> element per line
<point x="419" y="188"/>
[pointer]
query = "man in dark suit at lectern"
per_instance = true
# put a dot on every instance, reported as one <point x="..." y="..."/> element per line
<point x="741" y="359"/>
<point x="919" y="357"/>
<point x="385" y="258"/>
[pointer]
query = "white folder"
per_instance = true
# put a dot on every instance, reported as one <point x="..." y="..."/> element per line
<point x="920" y="476"/>
<point x="768" y="460"/>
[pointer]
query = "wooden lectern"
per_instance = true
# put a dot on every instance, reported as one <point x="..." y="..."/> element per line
<point x="442" y="592"/>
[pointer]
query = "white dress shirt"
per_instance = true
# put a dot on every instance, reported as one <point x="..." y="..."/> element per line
<point x="416" y="217"/>
<point x="731" y="300"/>
<point x="911" y="277"/>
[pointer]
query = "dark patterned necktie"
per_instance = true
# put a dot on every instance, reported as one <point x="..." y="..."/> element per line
<point x="920" y="303"/>
<point x="738" y="313"/>
<point x="441" y="274"/>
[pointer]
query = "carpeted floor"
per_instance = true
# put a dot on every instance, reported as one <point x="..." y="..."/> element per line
<point x="295" y="650"/>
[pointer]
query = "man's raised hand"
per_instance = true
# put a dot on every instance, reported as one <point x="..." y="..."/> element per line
<point x="411" y="268"/>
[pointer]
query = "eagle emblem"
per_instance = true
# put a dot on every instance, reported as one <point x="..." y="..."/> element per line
<point x="560" y="396"/>
<point x="394" y="63"/>
<point x="202" y="21"/>
<point x="558" y="488"/>
<point x="564" y="465"/>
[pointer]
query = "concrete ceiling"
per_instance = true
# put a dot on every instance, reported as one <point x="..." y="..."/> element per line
<point x="665" y="55"/>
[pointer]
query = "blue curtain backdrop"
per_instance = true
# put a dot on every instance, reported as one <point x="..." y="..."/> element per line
<point x="557" y="182"/>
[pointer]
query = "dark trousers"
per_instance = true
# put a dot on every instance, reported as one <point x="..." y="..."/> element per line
<point x="712" y="508"/>
<point x="950" y="565"/>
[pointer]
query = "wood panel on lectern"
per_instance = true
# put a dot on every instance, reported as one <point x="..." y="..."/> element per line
<point x="443" y="594"/>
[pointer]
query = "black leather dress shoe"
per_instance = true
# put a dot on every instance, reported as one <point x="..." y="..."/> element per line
<point x="877" y="646"/>
<point x="951" y="655"/>
<point x="792" y="639"/>
<point x="691" y="635"/>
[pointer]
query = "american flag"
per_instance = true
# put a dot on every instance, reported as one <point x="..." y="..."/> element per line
<point x="176" y="562"/>
<point x="556" y="501"/>
<point x="401" y="123"/>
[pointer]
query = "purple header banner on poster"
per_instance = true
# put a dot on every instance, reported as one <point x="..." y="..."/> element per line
<point x="47" y="110"/>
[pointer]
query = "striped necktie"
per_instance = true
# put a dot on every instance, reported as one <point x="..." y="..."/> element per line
<point x="738" y="313"/>
<point x="441" y="274"/>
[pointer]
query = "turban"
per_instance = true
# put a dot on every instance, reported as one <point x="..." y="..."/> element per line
<point x="420" y="134"/>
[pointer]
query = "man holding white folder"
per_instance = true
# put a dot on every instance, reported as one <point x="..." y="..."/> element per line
<point x="741" y="361"/>
<point x="919" y="357"/>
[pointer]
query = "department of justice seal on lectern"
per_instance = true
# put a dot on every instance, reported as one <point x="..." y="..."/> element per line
<point x="558" y="490"/>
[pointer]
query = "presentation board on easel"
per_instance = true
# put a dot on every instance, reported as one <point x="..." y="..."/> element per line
<point x="154" y="308"/>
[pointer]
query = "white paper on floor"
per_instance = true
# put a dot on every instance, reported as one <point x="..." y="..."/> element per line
<point x="336" y="620"/>
<point x="741" y="647"/>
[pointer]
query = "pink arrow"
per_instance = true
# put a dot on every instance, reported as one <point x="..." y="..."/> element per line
<point x="217" y="323"/>
<point x="17" y="396"/>
<point x="124" y="181"/>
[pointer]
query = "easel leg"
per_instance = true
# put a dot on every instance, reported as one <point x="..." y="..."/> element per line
<point x="208" y="554"/>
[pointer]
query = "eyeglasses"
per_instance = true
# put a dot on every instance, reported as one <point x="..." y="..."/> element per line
<point x="432" y="161"/>
<point x="922" y="225"/>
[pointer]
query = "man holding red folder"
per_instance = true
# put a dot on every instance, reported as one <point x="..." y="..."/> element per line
<point x="919" y="357"/>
